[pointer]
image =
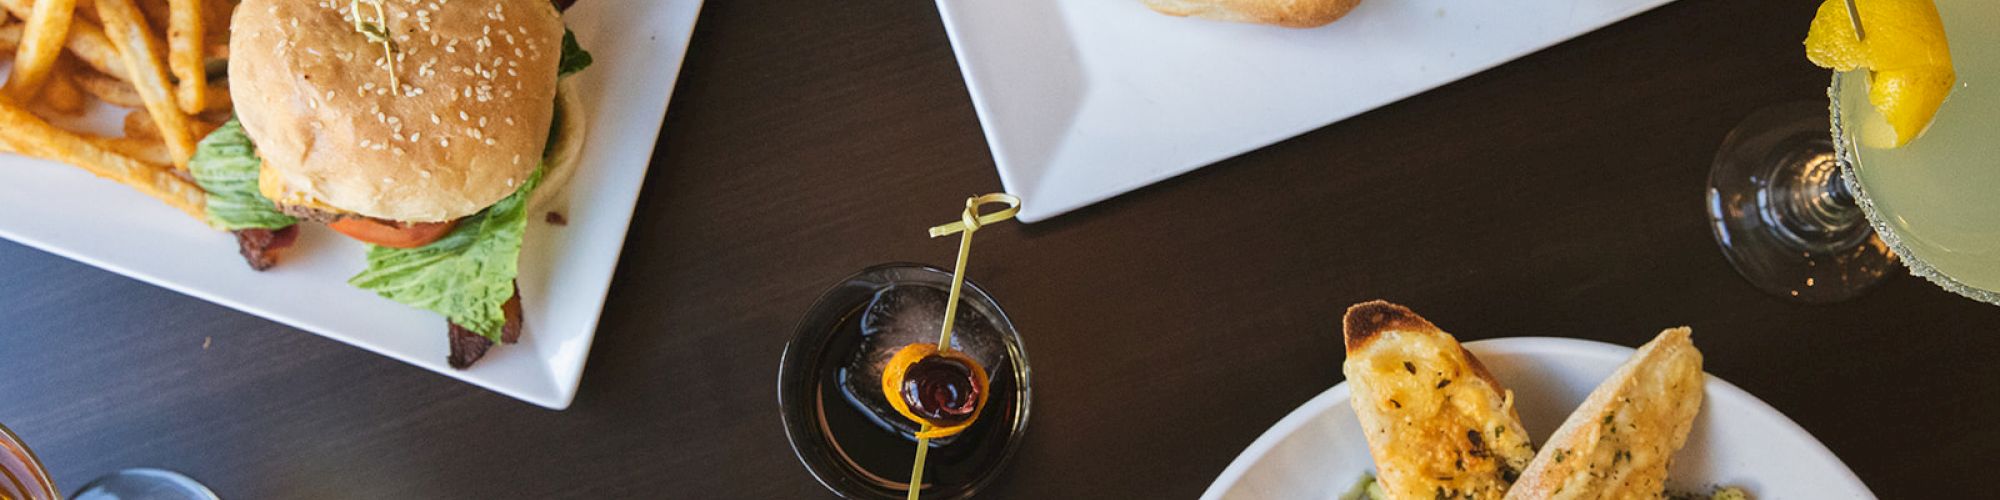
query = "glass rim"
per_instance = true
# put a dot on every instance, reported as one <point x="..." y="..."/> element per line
<point x="1846" y="155"/>
<point x="9" y="439"/>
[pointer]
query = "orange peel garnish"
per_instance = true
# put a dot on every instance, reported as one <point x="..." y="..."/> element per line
<point x="899" y="365"/>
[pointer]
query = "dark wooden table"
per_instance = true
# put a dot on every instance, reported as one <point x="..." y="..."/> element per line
<point x="1560" y="194"/>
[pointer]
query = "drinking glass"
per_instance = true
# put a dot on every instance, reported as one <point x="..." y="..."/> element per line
<point x="1810" y="201"/>
<point x="862" y="453"/>
<point x="22" y="477"/>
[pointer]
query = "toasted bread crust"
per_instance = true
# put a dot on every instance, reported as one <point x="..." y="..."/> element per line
<point x="1367" y="319"/>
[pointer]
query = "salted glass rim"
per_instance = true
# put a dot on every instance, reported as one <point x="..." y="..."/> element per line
<point x="1846" y="155"/>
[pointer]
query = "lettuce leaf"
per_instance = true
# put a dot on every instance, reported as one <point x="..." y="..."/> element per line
<point x="225" y="165"/>
<point x="574" y="58"/>
<point x="467" y="275"/>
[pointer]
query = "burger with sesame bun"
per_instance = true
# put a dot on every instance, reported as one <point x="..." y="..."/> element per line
<point x="426" y="129"/>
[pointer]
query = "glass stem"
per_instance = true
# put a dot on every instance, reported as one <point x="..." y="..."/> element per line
<point x="1811" y="202"/>
<point x="1837" y="193"/>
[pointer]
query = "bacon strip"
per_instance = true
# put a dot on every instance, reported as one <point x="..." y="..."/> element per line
<point x="260" y="247"/>
<point x="468" y="346"/>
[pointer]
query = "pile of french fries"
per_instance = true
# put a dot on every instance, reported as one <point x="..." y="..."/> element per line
<point x="164" y="61"/>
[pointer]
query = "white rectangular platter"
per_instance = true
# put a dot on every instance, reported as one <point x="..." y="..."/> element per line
<point x="565" y="270"/>
<point x="1082" y="100"/>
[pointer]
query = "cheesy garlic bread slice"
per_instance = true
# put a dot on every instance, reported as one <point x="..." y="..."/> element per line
<point x="1438" y="424"/>
<point x="1618" y="444"/>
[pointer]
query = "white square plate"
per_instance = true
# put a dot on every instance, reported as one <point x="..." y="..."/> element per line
<point x="637" y="47"/>
<point x="1085" y="99"/>
<point x="1319" y="451"/>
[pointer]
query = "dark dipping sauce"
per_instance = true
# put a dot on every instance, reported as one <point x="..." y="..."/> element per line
<point x="941" y="390"/>
<point x="861" y="453"/>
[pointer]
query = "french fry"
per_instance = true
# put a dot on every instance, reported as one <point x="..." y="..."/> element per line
<point x="19" y="8"/>
<point x="60" y="94"/>
<point x="216" y="18"/>
<point x="139" y="124"/>
<point x="127" y="30"/>
<point x="184" y="53"/>
<point x="155" y="12"/>
<point x="150" y="151"/>
<point x="88" y="43"/>
<point x="30" y="135"/>
<point x="86" y="37"/>
<point x="117" y="92"/>
<point x="47" y="27"/>
<point x="202" y="128"/>
<point x="216" y="97"/>
<point x="10" y="37"/>
<point x="108" y="89"/>
<point x="217" y="117"/>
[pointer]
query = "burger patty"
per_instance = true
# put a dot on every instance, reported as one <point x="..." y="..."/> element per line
<point x="312" y="214"/>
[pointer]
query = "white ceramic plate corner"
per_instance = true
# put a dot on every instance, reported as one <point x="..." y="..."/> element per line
<point x="1318" y="451"/>
<point x="1082" y="100"/>
<point x="565" y="271"/>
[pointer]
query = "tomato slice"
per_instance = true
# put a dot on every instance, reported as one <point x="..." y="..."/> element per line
<point x="392" y="234"/>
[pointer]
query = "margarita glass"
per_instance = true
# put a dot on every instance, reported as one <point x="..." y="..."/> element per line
<point x="1822" y="216"/>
